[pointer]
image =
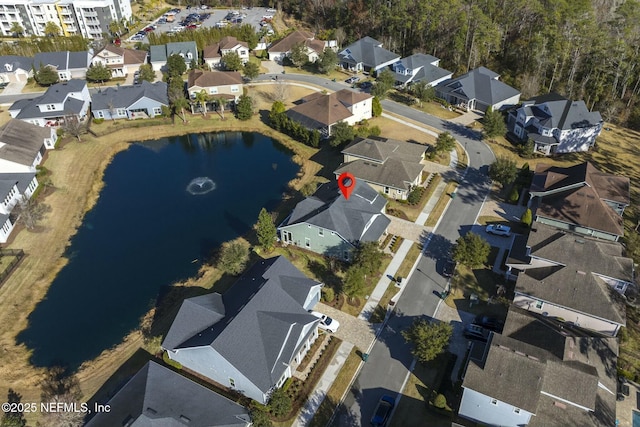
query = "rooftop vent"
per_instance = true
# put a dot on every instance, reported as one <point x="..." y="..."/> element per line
<point x="185" y="419"/>
<point x="151" y="411"/>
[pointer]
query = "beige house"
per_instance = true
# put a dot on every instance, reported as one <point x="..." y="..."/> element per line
<point x="231" y="44"/>
<point x="121" y="61"/>
<point x="211" y="56"/>
<point x="389" y="166"/>
<point x="221" y="84"/>
<point x="313" y="47"/>
<point x="322" y="111"/>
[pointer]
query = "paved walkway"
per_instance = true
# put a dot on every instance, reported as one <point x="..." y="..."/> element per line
<point x="318" y="395"/>
<point x="431" y="203"/>
<point x="352" y="329"/>
<point x="407" y="229"/>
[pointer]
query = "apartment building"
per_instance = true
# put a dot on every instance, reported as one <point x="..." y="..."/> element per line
<point x="88" y="18"/>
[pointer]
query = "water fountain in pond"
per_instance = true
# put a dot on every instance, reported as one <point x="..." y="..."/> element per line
<point x="201" y="185"/>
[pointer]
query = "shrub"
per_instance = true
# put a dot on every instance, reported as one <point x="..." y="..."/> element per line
<point x="233" y="256"/>
<point x="514" y="195"/>
<point x="415" y="195"/>
<point x="440" y="401"/>
<point x="97" y="121"/>
<point x="170" y="362"/>
<point x="527" y="218"/>
<point x="376" y="107"/>
<point x="328" y="294"/>
<point x="280" y="402"/>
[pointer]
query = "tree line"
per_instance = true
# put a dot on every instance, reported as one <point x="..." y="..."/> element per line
<point x="583" y="49"/>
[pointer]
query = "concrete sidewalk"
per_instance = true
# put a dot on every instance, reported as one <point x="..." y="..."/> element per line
<point x="309" y="409"/>
<point x="431" y="203"/>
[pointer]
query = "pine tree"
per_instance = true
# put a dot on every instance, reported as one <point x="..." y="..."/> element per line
<point x="494" y="124"/>
<point x="266" y="230"/>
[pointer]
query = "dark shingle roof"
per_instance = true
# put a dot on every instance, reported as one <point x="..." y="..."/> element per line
<point x="157" y="396"/>
<point x="263" y="319"/>
<point x="15" y="62"/>
<point x="62" y="60"/>
<point x="575" y="195"/>
<point x="367" y="51"/>
<point x="392" y="173"/>
<point x="20" y="180"/>
<point x="22" y="141"/>
<point x="557" y="112"/>
<point x="125" y="96"/>
<point x="160" y="53"/>
<point x="427" y="72"/>
<point x="480" y="84"/>
<point x="576" y="279"/>
<point x="360" y="218"/>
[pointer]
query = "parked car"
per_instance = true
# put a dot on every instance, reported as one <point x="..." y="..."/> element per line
<point x="326" y="322"/>
<point x="352" y="80"/>
<point x="366" y="85"/>
<point x="499" y="230"/>
<point x="475" y="332"/>
<point x="383" y="411"/>
<point x="449" y="268"/>
<point x="490" y="323"/>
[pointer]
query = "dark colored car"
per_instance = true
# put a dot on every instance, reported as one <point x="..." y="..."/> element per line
<point x="475" y="332"/>
<point x="366" y="85"/>
<point x="382" y="411"/>
<point x="449" y="268"/>
<point x="490" y="323"/>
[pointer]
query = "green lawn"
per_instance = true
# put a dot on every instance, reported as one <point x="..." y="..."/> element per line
<point x="442" y="203"/>
<point x="411" y="212"/>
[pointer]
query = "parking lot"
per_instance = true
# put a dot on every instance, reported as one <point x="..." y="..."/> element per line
<point x="208" y="18"/>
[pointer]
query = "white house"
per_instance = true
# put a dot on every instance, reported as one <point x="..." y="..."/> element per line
<point x="68" y="65"/>
<point x="13" y="188"/>
<point x="366" y="54"/>
<point x="119" y="60"/>
<point x="312" y="46"/>
<point x="420" y="68"/>
<point x="22" y="146"/>
<point x="230" y="44"/>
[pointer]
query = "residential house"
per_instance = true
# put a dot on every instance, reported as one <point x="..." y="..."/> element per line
<point x="367" y="54"/>
<point x="531" y="375"/>
<point x="572" y="278"/>
<point x="580" y="199"/>
<point x="156" y="395"/>
<point x="327" y="223"/>
<point x="187" y="50"/>
<point x="555" y="124"/>
<point x="13" y="188"/>
<point x="70" y="98"/>
<point x="220" y="84"/>
<point x="230" y="44"/>
<point x="312" y="46"/>
<point x="478" y="90"/>
<point x="322" y="111"/>
<point x="15" y="68"/>
<point x="22" y="146"/>
<point x="419" y="68"/>
<point x="68" y="65"/>
<point x="121" y="61"/>
<point x="144" y="100"/>
<point x="390" y="166"/>
<point x="252" y="337"/>
<point x="212" y="57"/>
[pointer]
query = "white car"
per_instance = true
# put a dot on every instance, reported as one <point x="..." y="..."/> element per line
<point x="499" y="230"/>
<point x="326" y="322"/>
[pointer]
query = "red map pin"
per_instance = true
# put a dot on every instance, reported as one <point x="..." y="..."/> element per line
<point x="346" y="182"/>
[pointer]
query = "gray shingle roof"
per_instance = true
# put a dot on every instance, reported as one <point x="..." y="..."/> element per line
<point x="20" y="180"/>
<point x="367" y="51"/>
<point x="22" y="141"/>
<point x="480" y="84"/>
<point x="57" y="92"/>
<point x="157" y="396"/>
<point x="15" y="63"/>
<point x="160" y="53"/>
<point x="125" y="96"/>
<point x="577" y="281"/>
<point x="328" y="209"/>
<point x="427" y="72"/>
<point x="263" y="320"/>
<point x="63" y="60"/>
<point x="555" y="111"/>
<point x="392" y="173"/>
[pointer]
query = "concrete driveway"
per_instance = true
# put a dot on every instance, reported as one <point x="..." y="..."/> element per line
<point x="358" y="332"/>
<point x="14" y="88"/>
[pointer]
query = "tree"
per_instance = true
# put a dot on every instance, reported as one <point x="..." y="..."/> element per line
<point x="298" y="54"/>
<point x="281" y="91"/>
<point x="308" y="189"/>
<point x="46" y="76"/>
<point x="98" y="73"/>
<point x="73" y="126"/>
<point x="471" y="250"/>
<point x="632" y="245"/>
<point x="527" y="218"/>
<point x="376" y="107"/>
<point x="233" y="256"/>
<point x="280" y="402"/>
<point x="244" y="108"/>
<point x="327" y="61"/>
<point x="251" y="70"/>
<point x="445" y="143"/>
<point x="146" y="73"/>
<point x="493" y="124"/>
<point x="220" y="103"/>
<point x="503" y="170"/>
<point x="201" y="98"/>
<point x="260" y="417"/>
<point x="115" y="28"/>
<point x="354" y="281"/>
<point x="61" y="386"/>
<point x="16" y="29"/>
<point x="384" y="82"/>
<point x="341" y="133"/>
<point x="14" y="418"/>
<point x="231" y="61"/>
<point x="368" y="256"/>
<point x="266" y="230"/>
<point x="176" y="66"/>
<point x="175" y="93"/>
<point x="51" y="29"/>
<point x="277" y="115"/>
<point x="423" y="92"/>
<point x="31" y="211"/>
<point x="428" y="339"/>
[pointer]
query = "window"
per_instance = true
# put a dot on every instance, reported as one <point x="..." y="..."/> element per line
<point x="516" y="410"/>
<point x="235" y="89"/>
<point x="100" y="114"/>
<point x="157" y="111"/>
<point x="307" y="242"/>
<point x="243" y="53"/>
<point x="321" y="232"/>
<point x="346" y="255"/>
<point x="386" y="190"/>
<point x="213" y="90"/>
<point x="494" y="402"/>
<point x="539" y="305"/>
<point x="51" y="107"/>
<point x="232" y="382"/>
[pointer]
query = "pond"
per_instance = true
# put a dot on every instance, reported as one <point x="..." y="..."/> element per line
<point x="165" y="206"/>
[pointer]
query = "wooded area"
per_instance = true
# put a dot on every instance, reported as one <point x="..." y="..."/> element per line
<point x="583" y="49"/>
